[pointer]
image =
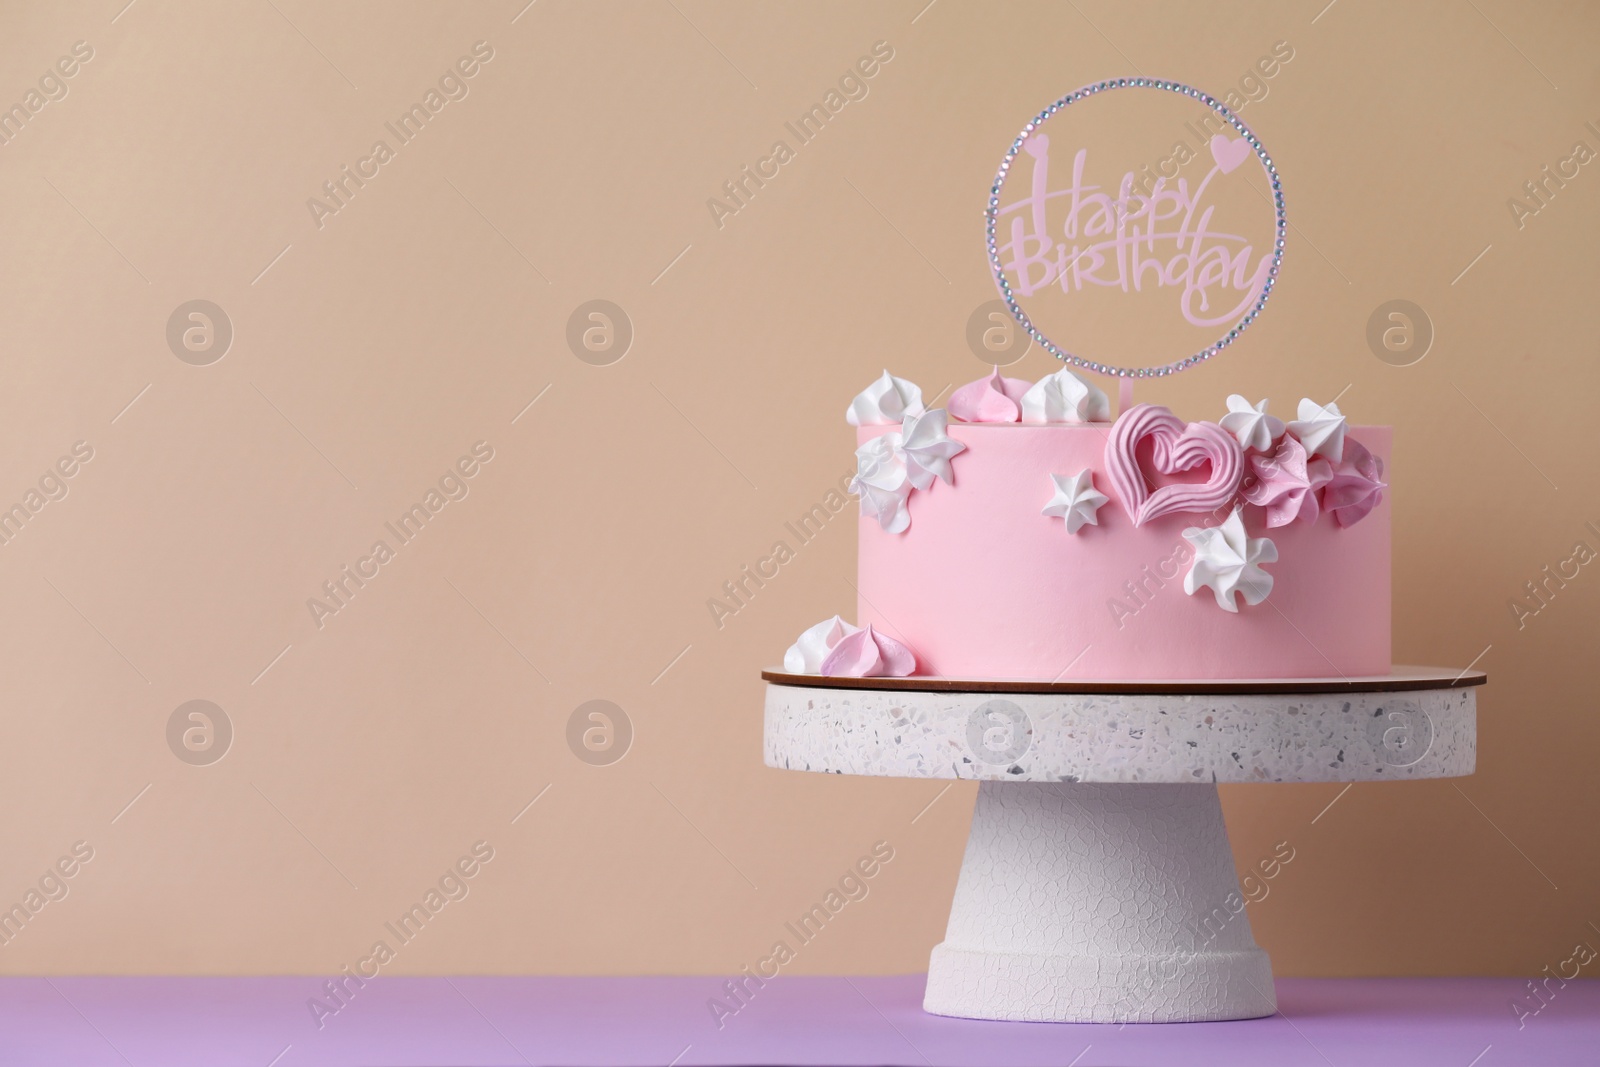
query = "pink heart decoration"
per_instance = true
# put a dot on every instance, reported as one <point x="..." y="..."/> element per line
<point x="1178" y="446"/>
<point x="1229" y="153"/>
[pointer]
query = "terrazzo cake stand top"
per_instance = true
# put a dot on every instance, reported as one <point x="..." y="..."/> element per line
<point x="1098" y="884"/>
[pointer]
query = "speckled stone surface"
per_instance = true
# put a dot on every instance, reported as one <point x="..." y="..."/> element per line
<point x="1050" y="737"/>
<point x="1098" y="903"/>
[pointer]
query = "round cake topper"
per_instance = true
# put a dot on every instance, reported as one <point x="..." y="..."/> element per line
<point x="1135" y="225"/>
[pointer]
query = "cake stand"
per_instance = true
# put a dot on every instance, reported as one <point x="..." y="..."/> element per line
<point x="1098" y="884"/>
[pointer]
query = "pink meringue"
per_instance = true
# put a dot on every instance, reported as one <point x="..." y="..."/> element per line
<point x="1176" y="446"/>
<point x="869" y="654"/>
<point x="1357" y="485"/>
<point x="1286" y="483"/>
<point x="991" y="399"/>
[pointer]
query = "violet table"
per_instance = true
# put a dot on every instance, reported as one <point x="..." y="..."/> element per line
<point x="507" y="1021"/>
<point x="1098" y="884"/>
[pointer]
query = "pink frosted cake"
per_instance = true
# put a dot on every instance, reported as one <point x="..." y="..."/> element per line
<point x="1024" y="534"/>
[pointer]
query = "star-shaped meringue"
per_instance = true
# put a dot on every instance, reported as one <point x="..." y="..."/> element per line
<point x="883" y="482"/>
<point x="1320" y="428"/>
<point x="1076" y="500"/>
<point x="1251" y="425"/>
<point x="1227" y="561"/>
<point x="928" y="448"/>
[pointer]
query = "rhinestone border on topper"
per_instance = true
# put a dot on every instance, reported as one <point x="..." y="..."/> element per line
<point x="992" y="212"/>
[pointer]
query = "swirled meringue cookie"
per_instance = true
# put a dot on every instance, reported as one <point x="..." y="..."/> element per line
<point x="805" y="656"/>
<point x="1320" y="428"/>
<point x="1251" y="425"/>
<point x="1064" y="397"/>
<point x="927" y="448"/>
<point x="1228" y="561"/>
<point x="883" y="482"/>
<point x="991" y="399"/>
<point x="869" y="654"/>
<point x="1286" y="484"/>
<point x="1356" y="486"/>
<point x="886" y="402"/>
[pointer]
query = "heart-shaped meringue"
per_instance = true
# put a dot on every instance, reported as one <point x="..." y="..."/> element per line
<point x="1177" y="447"/>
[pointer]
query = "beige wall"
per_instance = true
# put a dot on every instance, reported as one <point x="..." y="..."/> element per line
<point x="371" y="752"/>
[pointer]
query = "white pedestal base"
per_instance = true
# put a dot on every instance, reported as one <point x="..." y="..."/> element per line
<point x="1098" y="885"/>
<point x="1098" y="903"/>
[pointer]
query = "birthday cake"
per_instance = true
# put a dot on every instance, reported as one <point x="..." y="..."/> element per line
<point x="1024" y="532"/>
<point x="1021" y="532"/>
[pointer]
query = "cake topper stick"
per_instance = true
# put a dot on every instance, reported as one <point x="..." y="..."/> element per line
<point x="1196" y="250"/>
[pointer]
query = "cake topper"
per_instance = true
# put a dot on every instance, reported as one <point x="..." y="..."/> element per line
<point x="1137" y="224"/>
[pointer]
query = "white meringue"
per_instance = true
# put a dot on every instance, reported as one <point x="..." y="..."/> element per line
<point x="1064" y="397"/>
<point x="1320" y="428"/>
<point x="1251" y="425"/>
<point x="1227" y="561"/>
<point x="888" y="506"/>
<point x="927" y="448"/>
<point x="883" y="482"/>
<point x="805" y="656"/>
<point x="1076" y="500"/>
<point x="885" y="402"/>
